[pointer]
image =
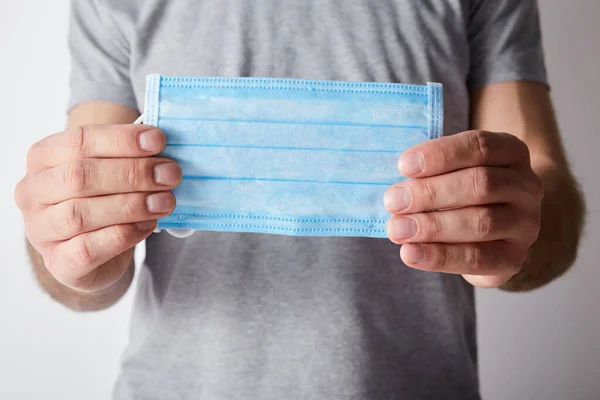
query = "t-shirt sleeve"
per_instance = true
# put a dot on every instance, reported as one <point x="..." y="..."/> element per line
<point x="505" y="42"/>
<point x="99" y="56"/>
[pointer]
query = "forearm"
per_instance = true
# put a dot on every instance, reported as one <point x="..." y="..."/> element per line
<point x="555" y="251"/>
<point x="79" y="300"/>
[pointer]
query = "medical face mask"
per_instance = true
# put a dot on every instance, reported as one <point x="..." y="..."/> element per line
<point x="287" y="156"/>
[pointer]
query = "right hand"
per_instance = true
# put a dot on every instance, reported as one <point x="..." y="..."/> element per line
<point x="92" y="193"/>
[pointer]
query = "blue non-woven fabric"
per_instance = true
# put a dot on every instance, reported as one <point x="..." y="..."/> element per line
<point x="288" y="156"/>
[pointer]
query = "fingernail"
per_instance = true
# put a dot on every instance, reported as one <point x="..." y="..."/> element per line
<point x="402" y="228"/>
<point x="152" y="140"/>
<point x="159" y="202"/>
<point x="414" y="253"/>
<point x="397" y="199"/>
<point x="145" y="225"/>
<point x="167" y="174"/>
<point x="410" y="164"/>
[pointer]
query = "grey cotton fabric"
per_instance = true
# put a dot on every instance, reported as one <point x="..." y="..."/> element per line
<point x="252" y="316"/>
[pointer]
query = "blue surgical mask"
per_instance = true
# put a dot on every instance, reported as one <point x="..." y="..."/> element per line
<point x="287" y="156"/>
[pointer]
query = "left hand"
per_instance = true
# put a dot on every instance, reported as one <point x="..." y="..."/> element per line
<point x="473" y="208"/>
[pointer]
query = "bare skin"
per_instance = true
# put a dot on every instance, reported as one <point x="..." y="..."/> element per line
<point x="508" y="210"/>
<point x="91" y="193"/>
<point x="509" y="213"/>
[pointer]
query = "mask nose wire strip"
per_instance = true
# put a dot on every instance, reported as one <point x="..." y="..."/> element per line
<point x="178" y="233"/>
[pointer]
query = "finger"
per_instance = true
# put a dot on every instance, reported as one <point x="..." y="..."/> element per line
<point x="73" y="262"/>
<point x="464" y="225"/>
<point x="95" y="141"/>
<point x="487" y="258"/>
<point x="466" y="187"/>
<point x="488" y="282"/>
<point x="463" y="150"/>
<point x="97" y="177"/>
<point x="73" y="217"/>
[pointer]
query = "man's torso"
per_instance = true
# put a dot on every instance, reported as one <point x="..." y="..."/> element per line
<point x="240" y="316"/>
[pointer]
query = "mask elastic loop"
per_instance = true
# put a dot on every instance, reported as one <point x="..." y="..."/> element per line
<point x="181" y="233"/>
<point x="140" y="120"/>
<point x="178" y="233"/>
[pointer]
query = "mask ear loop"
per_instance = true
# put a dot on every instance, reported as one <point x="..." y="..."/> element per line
<point x="140" y="120"/>
<point x="178" y="233"/>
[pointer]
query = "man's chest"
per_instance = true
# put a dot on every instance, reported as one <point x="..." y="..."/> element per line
<point x="410" y="41"/>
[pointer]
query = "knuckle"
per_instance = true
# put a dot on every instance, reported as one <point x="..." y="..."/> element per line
<point x="56" y="262"/>
<point x="76" y="176"/>
<point x="484" y="223"/>
<point x="482" y="183"/>
<point x="515" y="266"/>
<point x="121" y="235"/>
<point x="132" y="174"/>
<point x="536" y="188"/>
<point x="474" y="257"/>
<point x="124" y="140"/>
<point x="540" y="193"/>
<point x="130" y="208"/>
<point x="20" y="195"/>
<point x="78" y="141"/>
<point x="33" y="153"/>
<point x="517" y="146"/>
<point x="24" y="196"/>
<point x="536" y="217"/>
<point x="430" y="228"/>
<point x="521" y="147"/>
<point x="429" y="194"/>
<point x="444" y="155"/>
<point x="515" y="259"/>
<point x="50" y="262"/>
<point x="75" y="216"/>
<point x="480" y="145"/>
<point x="84" y="252"/>
<point x="440" y="254"/>
<point x="33" y="233"/>
<point x="535" y="224"/>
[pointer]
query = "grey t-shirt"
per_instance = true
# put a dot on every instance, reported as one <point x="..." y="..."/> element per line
<point x="252" y="316"/>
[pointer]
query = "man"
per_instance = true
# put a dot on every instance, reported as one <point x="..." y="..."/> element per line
<point x="252" y="316"/>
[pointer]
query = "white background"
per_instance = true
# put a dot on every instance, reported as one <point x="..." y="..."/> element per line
<point x="540" y="345"/>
